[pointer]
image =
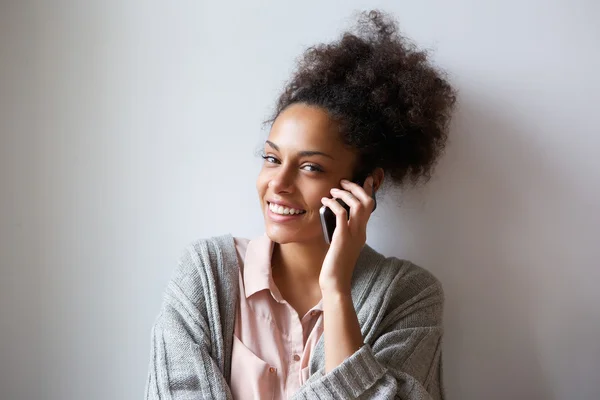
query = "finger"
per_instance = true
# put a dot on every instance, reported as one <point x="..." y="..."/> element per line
<point x="341" y="216"/>
<point x="364" y="194"/>
<point x="348" y="198"/>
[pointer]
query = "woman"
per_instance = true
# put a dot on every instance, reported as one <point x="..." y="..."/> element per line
<point x="287" y="315"/>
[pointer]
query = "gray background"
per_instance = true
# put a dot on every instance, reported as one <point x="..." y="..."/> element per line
<point x="128" y="129"/>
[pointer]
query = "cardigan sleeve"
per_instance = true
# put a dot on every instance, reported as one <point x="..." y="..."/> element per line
<point x="403" y="362"/>
<point x="184" y="356"/>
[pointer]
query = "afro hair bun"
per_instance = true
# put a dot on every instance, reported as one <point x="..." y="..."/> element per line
<point x="392" y="105"/>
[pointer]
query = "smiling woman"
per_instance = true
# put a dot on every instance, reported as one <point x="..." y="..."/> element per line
<point x="304" y="160"/>
<point x="287" y="314"/>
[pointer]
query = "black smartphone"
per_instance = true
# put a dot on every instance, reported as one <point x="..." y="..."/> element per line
<point x="328" y="216"/>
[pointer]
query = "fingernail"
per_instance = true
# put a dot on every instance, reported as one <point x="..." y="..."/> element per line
<point x="370" y="181"/>
<point x="345" y="181"/>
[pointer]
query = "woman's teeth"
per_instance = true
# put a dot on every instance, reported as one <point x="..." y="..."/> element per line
<point x="284" y="210"/>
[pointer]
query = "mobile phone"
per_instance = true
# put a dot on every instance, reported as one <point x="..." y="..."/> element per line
<point x="328" y="217"/>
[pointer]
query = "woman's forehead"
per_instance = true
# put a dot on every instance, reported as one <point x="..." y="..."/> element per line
<point x="303" y="127"/>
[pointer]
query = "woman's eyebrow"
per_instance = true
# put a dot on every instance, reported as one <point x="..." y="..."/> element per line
<point x="305" y="153"/>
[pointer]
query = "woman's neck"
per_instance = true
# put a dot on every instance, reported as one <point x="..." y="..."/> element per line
<point x="299" y="262"/>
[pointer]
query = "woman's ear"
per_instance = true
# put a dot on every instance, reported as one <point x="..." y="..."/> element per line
<point x="378" y="175"/>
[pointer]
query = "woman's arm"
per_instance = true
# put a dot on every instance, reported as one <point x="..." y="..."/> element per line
<point x="180" y="366"/>
<point x="187" y="356"/>
<point x="341" y="328"/>
<point x="402" y="362"/>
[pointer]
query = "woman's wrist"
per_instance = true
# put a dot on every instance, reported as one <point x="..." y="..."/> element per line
<point x="335" y="289"/>
<point x="336" y="292"/>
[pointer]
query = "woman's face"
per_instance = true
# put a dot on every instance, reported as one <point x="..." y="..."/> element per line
<point x="304" y="159"/>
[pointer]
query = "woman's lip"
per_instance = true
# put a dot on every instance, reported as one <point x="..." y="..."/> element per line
<point x="284" y="204"/>
<point x="282" y="218"/>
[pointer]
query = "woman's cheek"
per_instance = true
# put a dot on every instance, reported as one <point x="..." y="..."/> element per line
<point x="317" y="196"/>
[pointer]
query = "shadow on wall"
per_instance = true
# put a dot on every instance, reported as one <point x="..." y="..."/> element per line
<point x="480" y="226"/>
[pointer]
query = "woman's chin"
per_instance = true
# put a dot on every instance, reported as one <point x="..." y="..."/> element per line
<point x="284" y="235"/>
<point x="281" y="236"/>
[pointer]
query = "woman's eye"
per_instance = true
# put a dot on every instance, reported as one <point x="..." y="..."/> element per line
<point x="270" y="159"/>
<point x="312" y="168"/>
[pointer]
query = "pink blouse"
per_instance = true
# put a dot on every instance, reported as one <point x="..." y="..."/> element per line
<point x="272" y="344"/>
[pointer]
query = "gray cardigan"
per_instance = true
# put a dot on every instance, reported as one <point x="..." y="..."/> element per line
<point x="399" y="307"/>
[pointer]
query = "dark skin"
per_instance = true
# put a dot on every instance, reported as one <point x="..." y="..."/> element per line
<point x="301" y="296"/>
<point x="306" y="165"/>
<point x="300" y="248"/>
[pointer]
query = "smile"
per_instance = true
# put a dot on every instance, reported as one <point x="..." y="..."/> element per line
<point x="281" y="210"/>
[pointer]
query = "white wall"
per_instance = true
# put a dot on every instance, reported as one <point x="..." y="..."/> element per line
<point x="128" y="129"/>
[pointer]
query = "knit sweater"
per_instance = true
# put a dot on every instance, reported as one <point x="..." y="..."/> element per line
<point x="399" y="308"/>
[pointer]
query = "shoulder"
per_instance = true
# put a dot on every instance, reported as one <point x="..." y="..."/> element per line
<point x="412" y="278"/>
<point x="404" y="287"/>
<point x="210" y="250"/>
<point x="415" y="294"/>
<point x="207" y="261"/>
<point x="396" y="274"/>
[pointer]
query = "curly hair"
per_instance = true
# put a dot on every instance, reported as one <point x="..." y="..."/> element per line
<point x="391" y="104"/>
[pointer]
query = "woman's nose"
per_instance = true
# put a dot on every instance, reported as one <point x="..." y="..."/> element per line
<point x="282" y="182"/>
